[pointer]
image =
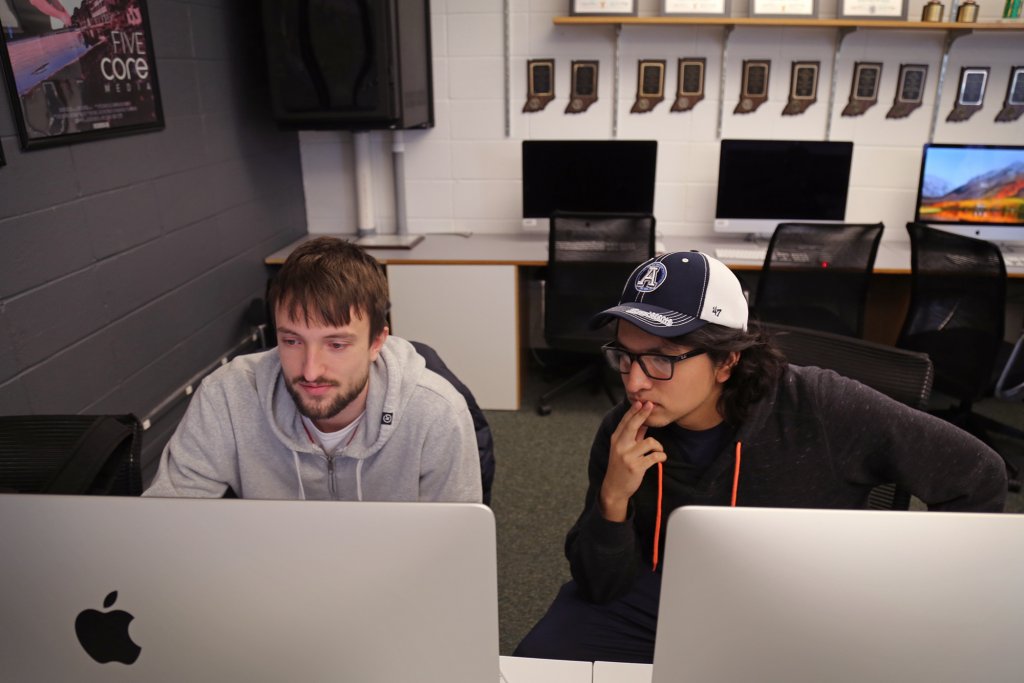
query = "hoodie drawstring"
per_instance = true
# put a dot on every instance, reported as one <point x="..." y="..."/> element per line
<point x="359" y="480"/>
<point x="657" y="516"/>
<point x="298" y="475"/>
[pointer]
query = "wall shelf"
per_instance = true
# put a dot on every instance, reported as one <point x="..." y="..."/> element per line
<point x="792" y="23"/>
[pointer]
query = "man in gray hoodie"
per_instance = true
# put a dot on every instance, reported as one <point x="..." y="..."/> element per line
<point x="339" y="410"/>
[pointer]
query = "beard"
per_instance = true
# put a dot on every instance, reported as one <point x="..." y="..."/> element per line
<point x="329" y="406"/>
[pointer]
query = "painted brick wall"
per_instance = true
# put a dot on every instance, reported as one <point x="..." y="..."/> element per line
<point x="464" y="174"/>
<point x="128" y="262"/>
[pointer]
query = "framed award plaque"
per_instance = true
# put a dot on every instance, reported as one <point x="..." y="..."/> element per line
<point x="909" y="90"/>
<point x="970" y="94"/>
<point x="803" y="88"/>
<point x="602" y="8"/>
<point x="864" y="89"/>
<point x="540" y="84"/>
<point x="690" y="88"/>
<point x="754" y="87"/>
<point x="785" y="9"/>
<point x="1013" y="106"/>
<point x="583" y="91"/>
<point x="872" y="9"/>
<point x="695" y="8"/>
<point x="650" y="85"/>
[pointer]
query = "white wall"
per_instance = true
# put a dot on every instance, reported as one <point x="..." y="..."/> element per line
<point x="464" y="174"/>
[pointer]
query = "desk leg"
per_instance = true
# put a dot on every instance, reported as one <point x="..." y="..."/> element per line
<point x="469" y="315"/>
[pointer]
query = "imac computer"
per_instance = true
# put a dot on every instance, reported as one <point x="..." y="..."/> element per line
<point x="762" y="183"/>
<point x="587" y="175"/>
<point x="973" y="190"/>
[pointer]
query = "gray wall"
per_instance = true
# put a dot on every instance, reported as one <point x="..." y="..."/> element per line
<point x="127" y="263"/>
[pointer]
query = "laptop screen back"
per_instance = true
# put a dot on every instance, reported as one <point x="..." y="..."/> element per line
<point x="246" y="590"/>
<point x="805" y="596"/>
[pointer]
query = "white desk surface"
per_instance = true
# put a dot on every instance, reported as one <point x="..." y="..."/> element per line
<point x="618" y="672"/>
<point x="531" y="249"/>
<point x="527" y="670"/>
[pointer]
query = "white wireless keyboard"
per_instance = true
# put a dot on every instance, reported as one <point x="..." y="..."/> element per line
<point x="741" y="253"/>
<point x="1014" y="260"/>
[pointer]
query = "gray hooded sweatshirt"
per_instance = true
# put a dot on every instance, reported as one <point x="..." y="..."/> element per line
<point x="415" y="441"/>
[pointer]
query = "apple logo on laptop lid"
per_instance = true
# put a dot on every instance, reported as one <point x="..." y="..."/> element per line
<point x="104" y="635"/>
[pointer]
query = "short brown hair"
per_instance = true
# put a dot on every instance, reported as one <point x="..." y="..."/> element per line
<point x="324" y="279"/>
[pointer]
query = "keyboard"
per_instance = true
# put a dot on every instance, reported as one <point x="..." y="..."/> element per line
<point x="1014" y="260"/>
<point x="741" y="253"/>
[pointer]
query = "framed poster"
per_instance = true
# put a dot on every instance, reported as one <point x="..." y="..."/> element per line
<point x="695" y="8"/>
<point x="79" y="70"/>
<point x="602" y="8"/>
<point x="788" y="9"/>
<point x="872" y="9"/>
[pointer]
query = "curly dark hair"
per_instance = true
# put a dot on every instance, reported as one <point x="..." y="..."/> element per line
<point x="759" y="366"/>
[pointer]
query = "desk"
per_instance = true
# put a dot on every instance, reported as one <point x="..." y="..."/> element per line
<point x="462" y="295"/>
<point x="618" y="672"/>
<point x="525" y="670"/>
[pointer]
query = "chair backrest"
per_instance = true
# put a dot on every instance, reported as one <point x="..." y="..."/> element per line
<point x="905" y="376"/>
<point x="71" y="454"/>
<point x="484" y="437"/>
<point x="957" y="308"/>
<point x="816" y="275"/>
<point x="590" y="255"/>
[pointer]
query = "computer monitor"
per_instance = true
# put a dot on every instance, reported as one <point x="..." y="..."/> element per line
<point x="615" y="176"/>
<point x="113" y="588"/>
<point x="973" y="190"/>
<point x="844" y="596"/>
<point x="762" y="183"/>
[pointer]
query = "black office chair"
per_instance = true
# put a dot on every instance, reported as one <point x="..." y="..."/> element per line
<point x="484" y="437"/>
<point x="905" y="376"/>
<point x="816" y="276"/>
<point x="590" y="255"/>
<point x="71" y="454"/>
<point x="1010" y="385"/>
<point x="956" y="316"/>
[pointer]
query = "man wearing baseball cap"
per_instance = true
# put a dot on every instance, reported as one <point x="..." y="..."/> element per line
<point x="715" y="416"/>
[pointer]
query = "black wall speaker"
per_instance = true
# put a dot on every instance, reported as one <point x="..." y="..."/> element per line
<point x="350" y="64"/>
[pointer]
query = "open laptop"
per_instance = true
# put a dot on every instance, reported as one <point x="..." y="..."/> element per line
<point x="232" y="590"/>
<point x="805" y="596"/>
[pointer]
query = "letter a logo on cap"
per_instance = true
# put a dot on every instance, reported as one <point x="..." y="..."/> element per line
<point x="651" y="277"/>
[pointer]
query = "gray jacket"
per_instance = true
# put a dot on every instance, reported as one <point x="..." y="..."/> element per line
<point x="414" y="443"/>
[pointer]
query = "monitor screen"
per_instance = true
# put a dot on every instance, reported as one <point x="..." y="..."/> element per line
<point x="615" y="176"/>
<point x="976" y="190"/>
<point x="762" y="183"/>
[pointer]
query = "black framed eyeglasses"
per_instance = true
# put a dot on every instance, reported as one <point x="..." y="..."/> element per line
<point x="654" y="365"/>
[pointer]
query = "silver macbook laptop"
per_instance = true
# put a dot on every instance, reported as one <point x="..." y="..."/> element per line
<point x="118" y="589"/>
<point x="806" y="596"/>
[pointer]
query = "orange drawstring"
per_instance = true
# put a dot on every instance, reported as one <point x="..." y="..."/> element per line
<point x="736" y="473"/>
<point x="657" y="516"/>
<point x="657" y="519"/>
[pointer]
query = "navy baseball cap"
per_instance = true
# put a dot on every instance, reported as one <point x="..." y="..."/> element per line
<point x="674" y="294"/>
